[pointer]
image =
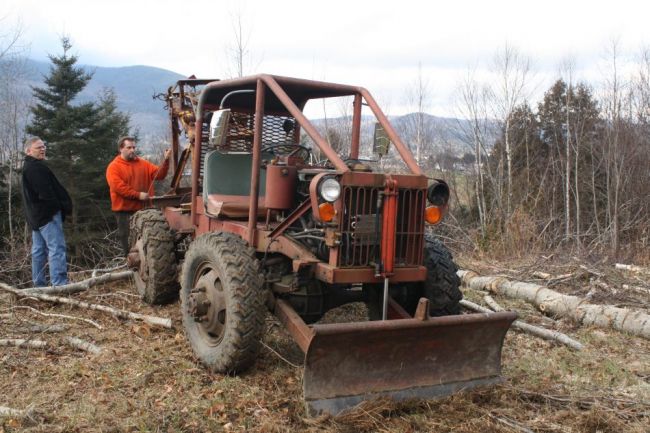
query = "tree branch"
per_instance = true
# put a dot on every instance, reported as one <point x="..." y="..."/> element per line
<point x="123" y="314"/>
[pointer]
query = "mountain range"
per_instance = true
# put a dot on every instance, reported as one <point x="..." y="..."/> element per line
<point x="136" y="86"/>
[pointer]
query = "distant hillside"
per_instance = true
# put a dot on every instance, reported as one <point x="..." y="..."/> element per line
<point x="133" y="85"/>
<point x="136" y="85"/>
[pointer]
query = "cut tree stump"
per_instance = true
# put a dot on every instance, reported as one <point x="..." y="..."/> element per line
<point x="556" y="304"/>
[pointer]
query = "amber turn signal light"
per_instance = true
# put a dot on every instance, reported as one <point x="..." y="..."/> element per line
<point x="326" y="211"/>
<point x="433" y="214"/>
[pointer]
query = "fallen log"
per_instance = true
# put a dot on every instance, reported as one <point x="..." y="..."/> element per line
<point x="80" y="286"/>
<point x="559" y="305"/>
<point x="633" y="268"/>
<point x="530" y="329"/>
<point x="80" y="344"/>
<point x="122" y="314"/>
<point x="62" y="316"/>
<point x="43" y="329"/>
<point x="21" y="342"/>
<point x="9" y="412"/>
<point x="637" y="289"/>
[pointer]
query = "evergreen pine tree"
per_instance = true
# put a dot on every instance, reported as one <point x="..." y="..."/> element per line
<point x="81" y="140"/>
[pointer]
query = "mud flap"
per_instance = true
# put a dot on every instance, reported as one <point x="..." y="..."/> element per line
<point x="406" y="358"/>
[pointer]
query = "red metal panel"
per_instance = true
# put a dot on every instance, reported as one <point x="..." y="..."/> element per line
<point x="280" y="186"/>
<point x="388" y="227"/>
<point x="332" y="274"/>
<point x="181" y="222"/>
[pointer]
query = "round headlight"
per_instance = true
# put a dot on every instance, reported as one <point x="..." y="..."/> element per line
<point x="438" y="193"/>
<point x="329" y="189"/>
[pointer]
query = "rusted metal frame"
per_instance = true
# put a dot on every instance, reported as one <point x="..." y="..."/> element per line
<point x="299" y="254"/>
<point x="173" y="118"/>
<point x="196" y="157"/>
<point x="357" y="178"/>
<point x="340" y="89"/>
<point x="166" y="200"/>
<point x="301" y="333"/>
<point x="193" y="82"/>
<point x="313" y="195"/>
<point x="304" y="122"/>
<point x="179" y="167"/>
<point x="255" y="169"/>
<point x="383" y="121"/>
<point x="180" y="222"/>
<point x="396" y="311"/>
<point x="335" y="275"/>
<point x="356" y="126"/>
<point x="388" y="227"/>
<point x="289" y="220"/>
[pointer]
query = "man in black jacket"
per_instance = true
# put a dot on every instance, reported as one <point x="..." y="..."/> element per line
<point x="46" y="205"/>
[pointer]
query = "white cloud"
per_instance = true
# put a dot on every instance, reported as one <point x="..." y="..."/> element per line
<point x="377" y="44"/>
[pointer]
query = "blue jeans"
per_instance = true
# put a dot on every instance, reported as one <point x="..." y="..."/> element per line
<point x="48" y="245"/>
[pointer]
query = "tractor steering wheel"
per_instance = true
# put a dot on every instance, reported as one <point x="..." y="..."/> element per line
<point x="288" y="149"/>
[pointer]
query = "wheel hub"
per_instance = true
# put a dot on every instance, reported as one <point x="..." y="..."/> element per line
<point x="206" y="304"/>
<point x="138" y="258"/>
<point x="199" y="304"/>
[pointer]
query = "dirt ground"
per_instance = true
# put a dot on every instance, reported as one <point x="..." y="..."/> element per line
<point x="147" y="380"/>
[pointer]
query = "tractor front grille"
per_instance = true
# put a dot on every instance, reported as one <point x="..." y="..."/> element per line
<point x="361" y="227"/>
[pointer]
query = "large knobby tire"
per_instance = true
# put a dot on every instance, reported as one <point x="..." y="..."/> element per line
<point x="222" y="302"/>
<point x="152" y="238"/>
<point x="441" y="287"/>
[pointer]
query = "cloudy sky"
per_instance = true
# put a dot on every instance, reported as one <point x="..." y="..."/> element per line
<point x="377" y="44"/>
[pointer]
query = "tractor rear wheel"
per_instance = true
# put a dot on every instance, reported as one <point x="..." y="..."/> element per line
<point x="152" y="240"/>
<point x="223" y="302"/>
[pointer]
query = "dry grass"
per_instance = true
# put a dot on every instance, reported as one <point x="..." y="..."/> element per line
<point x="147" y="380"/>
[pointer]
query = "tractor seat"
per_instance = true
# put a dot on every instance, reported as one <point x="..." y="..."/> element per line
<point x="230" y="206"/>
<point x="227" y="183"/>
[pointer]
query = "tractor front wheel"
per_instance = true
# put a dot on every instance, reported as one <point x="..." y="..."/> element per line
<point x="442" y="286"/>
<point x="222" y="302"/>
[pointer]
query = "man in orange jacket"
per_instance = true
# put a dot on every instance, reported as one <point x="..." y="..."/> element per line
<point x="130" y="180"/>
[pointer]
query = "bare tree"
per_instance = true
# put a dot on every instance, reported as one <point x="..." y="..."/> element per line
<point x="13" y="108"/>
<point x="612" y="96"/>
<point x="240" y="60"/>
<point x="472" y="107"/>
<point x="567" y="67"/>
<point x="513" y="70"/>
<point x="418" y="96"/>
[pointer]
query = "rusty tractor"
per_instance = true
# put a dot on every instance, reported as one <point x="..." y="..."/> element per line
<point x="260" y="224"/>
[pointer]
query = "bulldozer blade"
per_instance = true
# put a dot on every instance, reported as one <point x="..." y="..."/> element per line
<point x="348" y="363"/>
